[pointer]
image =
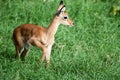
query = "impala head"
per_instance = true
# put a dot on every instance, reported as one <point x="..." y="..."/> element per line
<point x="62" y="15"/>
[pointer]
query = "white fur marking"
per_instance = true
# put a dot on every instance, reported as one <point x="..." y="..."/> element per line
<point x="27" y="46"/>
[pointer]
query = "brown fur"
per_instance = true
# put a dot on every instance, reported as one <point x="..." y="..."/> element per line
<point x="27" y="35"/>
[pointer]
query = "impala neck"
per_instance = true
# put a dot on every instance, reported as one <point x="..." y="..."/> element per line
<point x="52" y="28"/>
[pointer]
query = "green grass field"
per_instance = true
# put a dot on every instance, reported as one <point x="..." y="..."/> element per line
<point x="88" y="51"/>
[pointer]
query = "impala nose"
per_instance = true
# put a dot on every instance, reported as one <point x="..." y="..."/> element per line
<point x="71" y="24"/>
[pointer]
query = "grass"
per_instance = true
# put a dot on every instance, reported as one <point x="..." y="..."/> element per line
<point x="88" y="51"/>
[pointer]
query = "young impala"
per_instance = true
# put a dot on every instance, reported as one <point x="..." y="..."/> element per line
<point x="27" y="35"/>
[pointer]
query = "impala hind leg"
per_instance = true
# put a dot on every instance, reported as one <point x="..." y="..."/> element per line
<point x="23" y="54"/>
<point x="18" y="43"/>
<point x="19" y="50"/>
<point x="27" y="46"/>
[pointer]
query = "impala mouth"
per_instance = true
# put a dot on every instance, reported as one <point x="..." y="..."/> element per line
<point x="71" y="25"/>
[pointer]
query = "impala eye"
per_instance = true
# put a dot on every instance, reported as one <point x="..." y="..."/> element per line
<point x="65" y="17"/>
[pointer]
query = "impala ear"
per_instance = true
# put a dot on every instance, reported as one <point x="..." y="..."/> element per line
<point x="60" y="5"/>
<point x="61" y="10"/>
<point x="61" y="2"/>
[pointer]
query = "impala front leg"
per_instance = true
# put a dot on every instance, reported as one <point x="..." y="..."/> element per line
<point x="39" y="45"/>
<point x="48" y="55"/>
<point x="44" y="52"/>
